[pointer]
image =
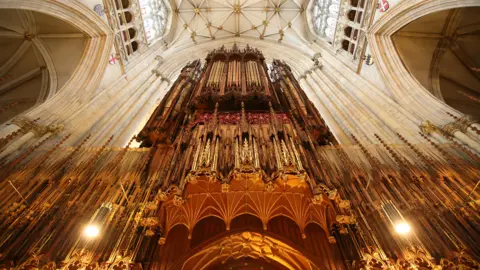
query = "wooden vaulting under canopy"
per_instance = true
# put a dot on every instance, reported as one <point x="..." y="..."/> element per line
<point x="247" y="219"/>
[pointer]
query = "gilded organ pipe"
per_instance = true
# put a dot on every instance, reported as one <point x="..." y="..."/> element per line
<point x="204" y="157"/>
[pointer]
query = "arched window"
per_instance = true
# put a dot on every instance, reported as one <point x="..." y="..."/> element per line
<point x="351" y="15"/>
<point x="122" y="4"/>
<point x="129" y="34"/>
<point x="132" y="32"/>
<point x="324" y="18"/>
<point x="330" y="33"/>
<point x="154" y="13"/>
<point x="347" y="31"/>
<point x="125" y="3"/>
<point x="355" y="35"/>
<point x="125" y="17"/>
<point x="134" y="46"/>
<point x="351" y="50"/>
<point x="355" y="25"/>
<point x="128" y="16"/>
<point x="345" y="44"/>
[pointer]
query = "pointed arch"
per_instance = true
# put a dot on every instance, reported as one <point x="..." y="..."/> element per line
<point x="404" y="87"/>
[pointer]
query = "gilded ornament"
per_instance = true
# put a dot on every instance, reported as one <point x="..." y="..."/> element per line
<point x="317" y="199"/>
<point x="151" y="206"/>
<point x="225" y="187"/>
<point x="332" y="240"/>
<point x="270" y="187"/>
<point x="333" y="195"/>
<point x="162" y="240"/>
<point x="428" y="127"/>
<point x="343" y="230"/>
<point x="50" y="266"/>
<point x="344" y="204"/>
<point x="451" y="128"/>
<point x="345" y="219"/>
<point x="150" y="221"/>
<point x="178" y="200"/>
<point x="162" y="196"/>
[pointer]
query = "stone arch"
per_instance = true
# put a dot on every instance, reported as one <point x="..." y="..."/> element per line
<point x="246" y="221"/>
<point x="89" y="72"/>
<point x="404" y="87"/>
<point x="205" y="229"/>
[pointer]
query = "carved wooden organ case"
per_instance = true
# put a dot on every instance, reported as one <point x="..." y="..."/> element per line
<point x="232" y="131"/>
<point x="231" y="116"/>
<point x="235" y="169"/>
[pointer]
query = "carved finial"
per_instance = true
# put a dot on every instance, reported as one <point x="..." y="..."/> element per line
<point x="272" y="111"/>
<point x="315" y="58"/>
<point x="215" y="116"/>
<point x="156" y="72"/>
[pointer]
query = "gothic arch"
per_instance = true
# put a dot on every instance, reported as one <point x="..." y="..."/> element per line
<point x="87" y="75"/>
<point x="404" y="87"/>
<point x="246" y="244"/>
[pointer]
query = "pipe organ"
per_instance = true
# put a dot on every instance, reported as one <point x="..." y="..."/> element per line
<point x="234" y="73"/>
<point x="237" y="168"/>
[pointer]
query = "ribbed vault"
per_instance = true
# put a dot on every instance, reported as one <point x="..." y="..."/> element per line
<point x="445" y="58"/>
<point x="276" y="20"/>
<point x="39" y="53"/>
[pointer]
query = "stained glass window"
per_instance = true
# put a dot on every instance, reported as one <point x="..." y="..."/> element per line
<point x="325" y="16"/>
<point x="154" y="13"/>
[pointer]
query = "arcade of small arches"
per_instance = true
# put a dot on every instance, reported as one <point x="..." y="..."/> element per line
<point x="342" y="23"/>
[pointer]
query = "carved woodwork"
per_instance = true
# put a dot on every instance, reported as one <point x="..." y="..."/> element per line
<point x="237" y="165"/>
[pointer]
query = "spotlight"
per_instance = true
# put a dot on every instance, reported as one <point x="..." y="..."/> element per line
<point x="402" y="227"/>
<point x="91" y="231"/>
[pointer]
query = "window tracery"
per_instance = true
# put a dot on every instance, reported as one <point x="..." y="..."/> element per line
<point x="325" y="16"/>
<point x="343" y="24"/>
<point x="355" y="18"/>
<point x="154" y="13"/>
<point x="137" y="24"/>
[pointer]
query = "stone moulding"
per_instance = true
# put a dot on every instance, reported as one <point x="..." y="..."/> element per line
<point x="404" y="87"/>
<point x="88" y="75"/>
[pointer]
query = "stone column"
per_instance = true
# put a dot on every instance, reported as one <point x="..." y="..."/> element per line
<point x="473" y="132"/>
<point x="347" y="108"/>
<point x="4" y="132"/>
<point x="457" y="130"/>
<point x="380" y="118"/>
<point x="466" y="123"/>
<point x="112" y="121"/>
<point x="159" y="89"/>
<point x="450" y="129"/>
<point x="17" y="144"/>
<point x="467" y="140"/>
<point x="337" y="131"/>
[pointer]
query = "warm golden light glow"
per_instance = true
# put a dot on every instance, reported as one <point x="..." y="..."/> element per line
<point x="91" y="231"/>
<point x="402" y="227"/>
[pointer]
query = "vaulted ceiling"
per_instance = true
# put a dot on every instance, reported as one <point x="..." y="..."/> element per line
<point x="38" y="55"/>
<point x="441" y="50"/>
<point x="277" y="20"/>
